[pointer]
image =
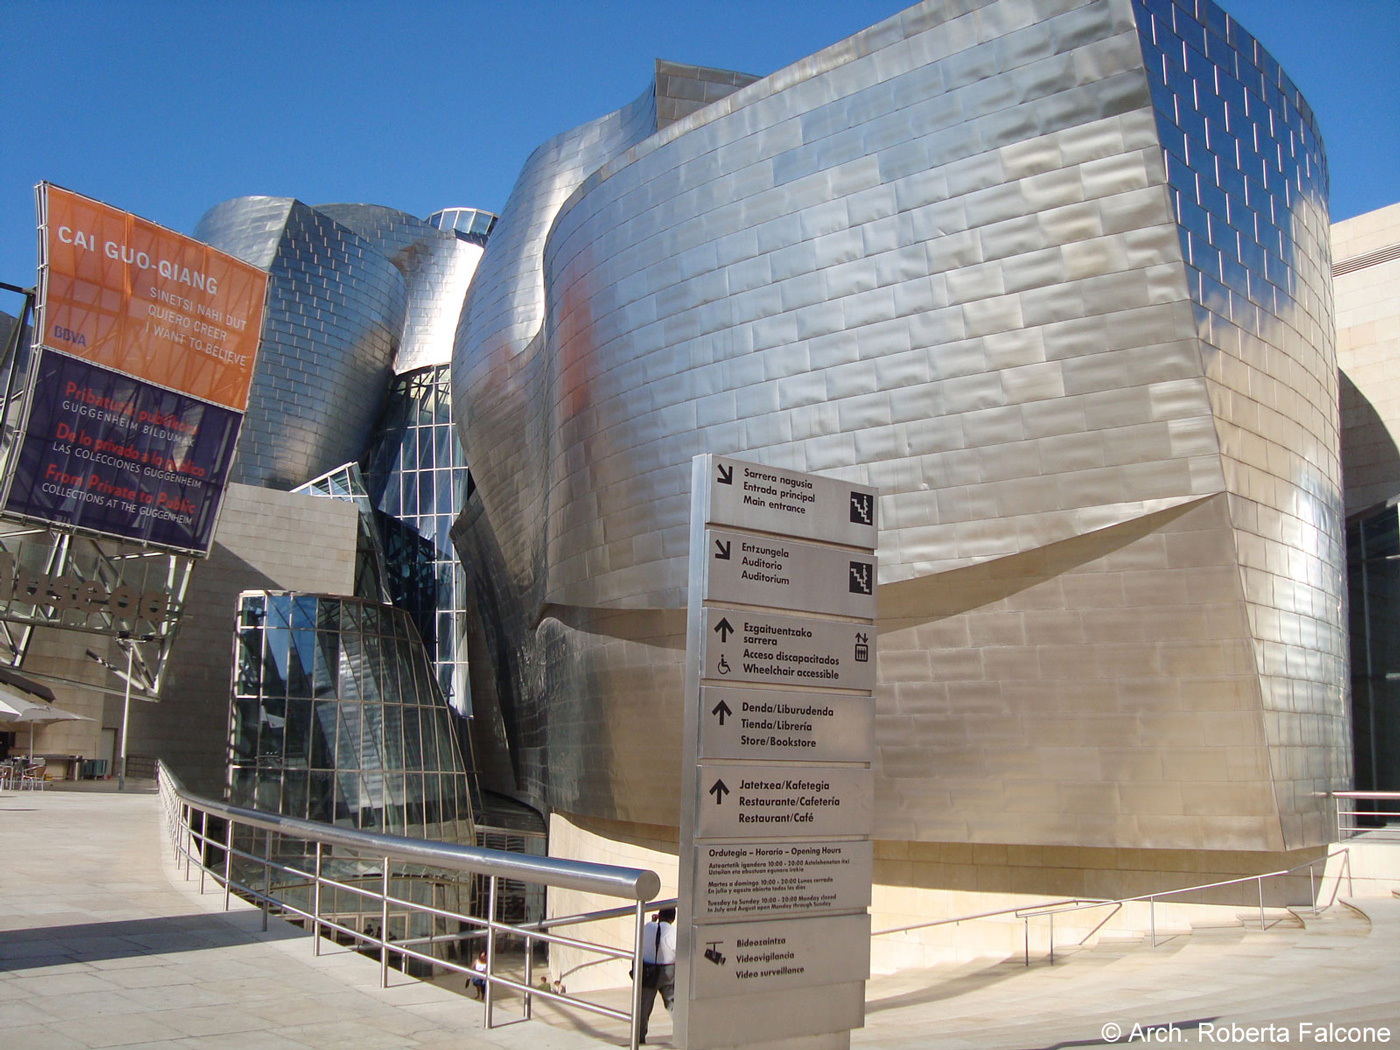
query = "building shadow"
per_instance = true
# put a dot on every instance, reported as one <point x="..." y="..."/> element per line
<point x="91" y="942"/>
<point x="1370" y="459"/>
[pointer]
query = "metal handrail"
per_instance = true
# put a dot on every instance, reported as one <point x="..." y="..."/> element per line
<point x="957" y="919"/>
<point x="1071" y="904"/>
<point x="1346" y="818"/>
<point x="187" y="818"/>
<point x="592" y="916"/>
<point x="1052" y="910"/>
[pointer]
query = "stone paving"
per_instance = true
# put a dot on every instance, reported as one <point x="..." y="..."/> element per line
<point x="1236" y="987"/>
<point x="103" y="943"/>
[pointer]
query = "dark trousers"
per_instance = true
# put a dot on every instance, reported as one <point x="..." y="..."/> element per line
<point x="667" y="987"/>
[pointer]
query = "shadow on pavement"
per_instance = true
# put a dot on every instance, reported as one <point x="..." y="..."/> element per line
<point x="97" y="941"/>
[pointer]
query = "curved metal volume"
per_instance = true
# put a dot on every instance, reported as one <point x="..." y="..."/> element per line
<point x="1054" y="277"/>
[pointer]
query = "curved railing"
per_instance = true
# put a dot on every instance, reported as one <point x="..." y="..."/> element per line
<point x="188" y="817"/>
<point x="1151" y="899"/>
<point x="1049" y="909"/>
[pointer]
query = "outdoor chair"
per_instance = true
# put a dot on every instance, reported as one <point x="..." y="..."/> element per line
<point x="35" y="776"/>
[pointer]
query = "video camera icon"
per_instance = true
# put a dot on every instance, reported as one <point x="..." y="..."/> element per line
<point x="713" y="954"/>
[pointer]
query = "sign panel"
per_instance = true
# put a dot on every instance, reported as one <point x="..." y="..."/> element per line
<point x="779" y="737"/>
<point x="748" y="957"/>
<point x="767" y="880"/>
<point x="790" y="503"/>
<point x="110" y="454"/>
<point x="147" y="341"/>
<point x="765" y="801"/>
<point x="129" y="295"/>
<point x="742" y="646"/>
<point x="777" y="725"/>
<point x="136" y="602"/>
<point x="785" y="574"/>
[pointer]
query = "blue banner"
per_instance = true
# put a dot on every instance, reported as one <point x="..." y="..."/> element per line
<point x="112" y="454"/>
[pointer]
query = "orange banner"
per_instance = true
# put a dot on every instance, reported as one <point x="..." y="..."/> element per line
<point x="135" y="297"/>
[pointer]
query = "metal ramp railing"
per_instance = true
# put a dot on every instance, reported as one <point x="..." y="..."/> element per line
<point x="206" y="836"/>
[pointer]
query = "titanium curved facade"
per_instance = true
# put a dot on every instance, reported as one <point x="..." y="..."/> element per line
<point x="1053" y="274"/>
<point x="358" y="292"/>
<point x="335" y="311"/>
<point x="511" y="366"/>
<point x="436" y="266"/>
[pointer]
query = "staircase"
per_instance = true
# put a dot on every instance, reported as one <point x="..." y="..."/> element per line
<point x="1223" y="969"/>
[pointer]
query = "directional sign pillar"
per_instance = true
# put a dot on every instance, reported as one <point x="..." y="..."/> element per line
<point x="777" y="794"/>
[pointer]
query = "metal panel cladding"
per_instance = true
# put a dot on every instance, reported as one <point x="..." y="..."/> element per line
<point x="336" y="308"/>
<point x="358" y="292"/>
<point x="437" y="267"/>
<point x="1049" y="273"/>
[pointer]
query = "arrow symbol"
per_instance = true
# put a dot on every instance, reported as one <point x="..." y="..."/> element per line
<point x="719" y="789"/>
<point x="726" y="474"/>
<point x="722" y="550"/>
<point x="722" y="709"/>
<point x="725" y="629"/>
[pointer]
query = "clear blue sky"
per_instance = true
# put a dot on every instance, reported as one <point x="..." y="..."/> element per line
<point x="166" y="108"/>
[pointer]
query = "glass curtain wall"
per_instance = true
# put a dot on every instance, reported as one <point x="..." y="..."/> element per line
<point x="416" y="475"/>
<point x="1373" y="562"/>
<point x="469" y="224"/>
<point x="337" y="718"/>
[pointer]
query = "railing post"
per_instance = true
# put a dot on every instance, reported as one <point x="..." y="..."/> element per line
<point x="529" y="972"/>
<point x="203" y="845"/>
<point x="1052" y="938"/>
<point x="1260" y="880"/>
<point x="316" y="903"/>
<point x="1027" y="922"/>
<point x="1152" y="917"/>
<point x="488" y="992"/>
<point x="1312" y="888"/>
<point x="186" y="822"/>
<point x="638" y="926"/>
<point x="384" y="929"/>
<point x="228" y="860"/>
<point x="267" y="877"/>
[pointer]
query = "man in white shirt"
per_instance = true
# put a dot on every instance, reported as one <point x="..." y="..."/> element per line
<point x="658" y="965"/>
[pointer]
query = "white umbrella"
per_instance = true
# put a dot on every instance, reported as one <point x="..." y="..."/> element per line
<point x="17" y="708"/>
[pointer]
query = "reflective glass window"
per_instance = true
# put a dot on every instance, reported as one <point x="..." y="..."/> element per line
<point x="298" y="735"/>
<point x="374" y="749"/>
